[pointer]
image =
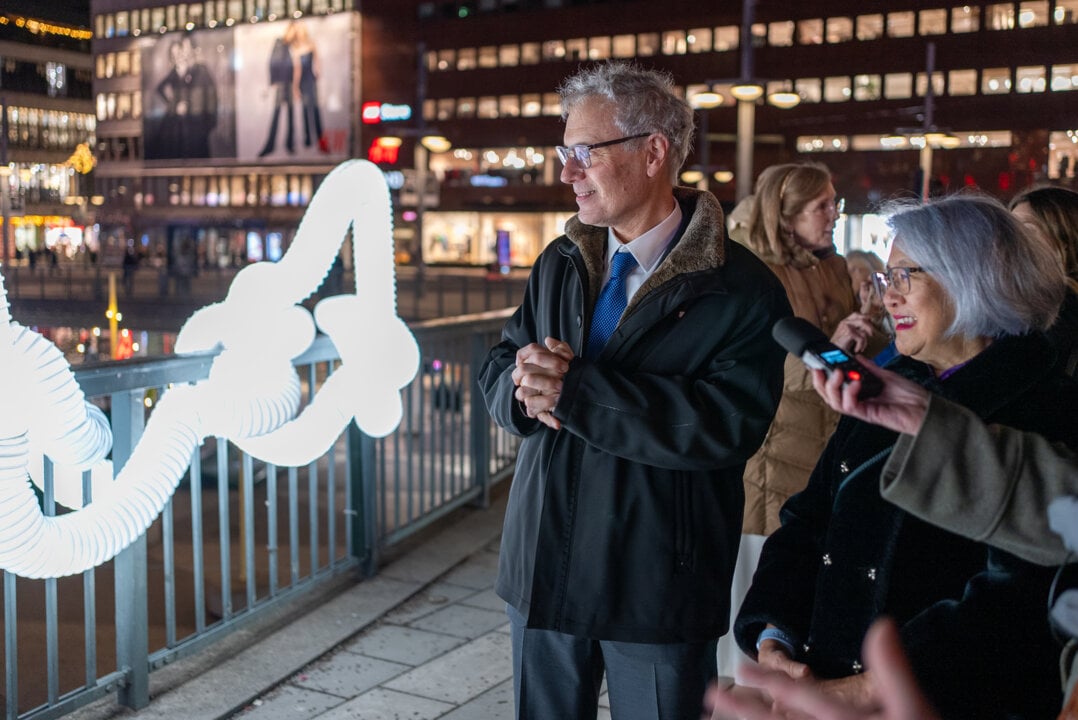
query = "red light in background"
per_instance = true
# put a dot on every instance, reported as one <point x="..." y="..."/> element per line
<point x="384" y="150"/>
<point x="371" y="112"/>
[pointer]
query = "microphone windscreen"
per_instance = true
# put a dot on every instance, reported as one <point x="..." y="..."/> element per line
<point x="794" y="333"/>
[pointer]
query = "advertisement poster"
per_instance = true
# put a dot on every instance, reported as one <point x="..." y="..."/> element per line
<point x="293" y="89"/>
<point x="188" y="96"/>
<point x="268" y="91"/>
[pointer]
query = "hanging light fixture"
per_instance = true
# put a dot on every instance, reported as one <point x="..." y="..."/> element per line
<point x="747" y="91"/>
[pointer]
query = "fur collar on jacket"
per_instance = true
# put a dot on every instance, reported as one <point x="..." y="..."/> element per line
<point x="699" y="248"/>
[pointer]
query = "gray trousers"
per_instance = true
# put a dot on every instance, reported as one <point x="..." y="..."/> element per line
<point x="559" y="676"/>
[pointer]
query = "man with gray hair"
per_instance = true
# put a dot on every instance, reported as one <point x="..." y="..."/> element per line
<point x="641" y="374"/>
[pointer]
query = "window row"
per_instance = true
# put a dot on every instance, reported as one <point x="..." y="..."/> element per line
<point x="842" y="88"/>
<point x="816" y="31"/>
<point x="36" y="129"/>
<point x="207" y="14"/>
<point x="51" y="79"/>
<point x="221" y="190"/>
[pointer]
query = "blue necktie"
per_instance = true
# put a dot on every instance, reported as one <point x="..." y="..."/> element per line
<point x="611" y="303"/>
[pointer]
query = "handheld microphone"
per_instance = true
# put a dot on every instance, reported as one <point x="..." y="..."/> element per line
<point x="806" y="341"/>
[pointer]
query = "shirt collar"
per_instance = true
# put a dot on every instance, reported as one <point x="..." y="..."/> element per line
<point x="649" y="248"/>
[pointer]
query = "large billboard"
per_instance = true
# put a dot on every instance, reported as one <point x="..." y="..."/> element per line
<point x="264" y="91"/>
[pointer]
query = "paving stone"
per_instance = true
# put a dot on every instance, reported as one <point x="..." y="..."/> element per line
<point x="288" y="702"/>
<point x="346" y="674"/>
<point x="435" y="597"/>
<point x="462" y="674"/>
<point x="460" y="620"/>
<point x="401" y="644"/>
<point x="477" y="572"/>
<point x="382" y="704"/>
<point x="485" y="599"/>
<point x="494" y="704"/>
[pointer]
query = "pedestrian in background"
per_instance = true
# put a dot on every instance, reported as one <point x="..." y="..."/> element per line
<point x="625" y="510"/>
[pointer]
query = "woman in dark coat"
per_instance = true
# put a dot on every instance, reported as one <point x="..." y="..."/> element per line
<point x="968" y="292"/>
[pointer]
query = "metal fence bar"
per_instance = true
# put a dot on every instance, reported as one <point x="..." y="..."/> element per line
<point x="198" y="570"/>
<point x="132" y="617"/>
<point x="247" y="479"/>
<point x="168" y="535"/>
<point x="293" y="523"/>
<point x="89" y="603"/>
<point x="52" y="640"/>
<point x="224" y="532"/>
<point x="11" y="648"/>
<point x="272" y="542"/>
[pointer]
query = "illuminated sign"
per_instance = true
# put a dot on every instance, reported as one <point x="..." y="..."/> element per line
<point x="373" y="113"/>
<point x="384" y="150"/>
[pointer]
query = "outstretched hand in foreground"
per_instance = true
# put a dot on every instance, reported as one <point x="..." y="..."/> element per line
<point x="895" y="692"/>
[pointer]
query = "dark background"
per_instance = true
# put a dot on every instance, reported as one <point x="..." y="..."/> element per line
<point x="75" y="12"/>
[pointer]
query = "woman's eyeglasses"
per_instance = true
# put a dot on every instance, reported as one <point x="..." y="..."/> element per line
<point x="898" y="278"/>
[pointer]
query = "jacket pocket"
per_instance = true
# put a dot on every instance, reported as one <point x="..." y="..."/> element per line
<point x="684" y="532"/>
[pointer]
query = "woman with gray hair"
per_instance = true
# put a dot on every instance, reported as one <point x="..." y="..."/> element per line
<point x="968" y="292"/>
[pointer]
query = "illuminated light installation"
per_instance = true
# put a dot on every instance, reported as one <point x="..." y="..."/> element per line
<point x="251" y="396"/>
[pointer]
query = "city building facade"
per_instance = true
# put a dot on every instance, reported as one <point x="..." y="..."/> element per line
<point x="457" y="102"/>
<point x="47" y="138"/>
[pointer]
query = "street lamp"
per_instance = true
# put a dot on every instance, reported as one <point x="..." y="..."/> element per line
<point x="703" y="101"/>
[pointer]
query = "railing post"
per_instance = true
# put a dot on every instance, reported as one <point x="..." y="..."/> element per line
<point x="479" y="423"/>
<point x="132" y="617"/>
<point x="363" y="477"/>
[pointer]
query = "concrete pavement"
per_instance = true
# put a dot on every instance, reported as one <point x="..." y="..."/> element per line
<point x="426" y="638"/>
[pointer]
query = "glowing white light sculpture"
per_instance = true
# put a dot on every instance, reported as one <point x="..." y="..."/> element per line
<point x="251" y="396"/>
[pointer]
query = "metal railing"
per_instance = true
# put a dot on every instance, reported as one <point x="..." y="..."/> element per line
<point x="240" y="537"/>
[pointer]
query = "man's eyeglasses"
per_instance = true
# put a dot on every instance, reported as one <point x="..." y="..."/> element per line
<point x="898" y="278"/>
<point x="582" y="153"/>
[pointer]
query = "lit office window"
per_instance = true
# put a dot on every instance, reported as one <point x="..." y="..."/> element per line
<point x="123" y="106"/>
<point x="488" y="108"/>
<point x="239" y="191"/>
<point x="195" y="19"/>
<point x="1064" y="78"/>
<point x="1033" y="14"/>
<point x="674" y="42"/>
<point x="897" y="86"/>
<point x="180" y="23"/>
<point x="430" y="109"/>
<point x="431" y="60"/>
<point x="466" y="59"/>
<point x="123" y="25"/>
<point x="1030" y="79"/>
<point x="624" y="46"/>
<point x="99" y="26"/>
<point x="531" y="105"/>
<point x="900" y="24"/>
<point x="599" y="48"/>
<point x="553" y="50"/>
<point x="932" y="22"/>
<point x="136" y="104"/>
<point x="198" y="191"/>
<point x="822" y="143"/>
<point x="576" y="49"/>
<point x="446" y="107"/>
<point x="966" y="19"/>
<point x="810" y="89"/>
<point x="809" y="32"/>
<point x="123" y="63"/>
<point x="102" y="65"/>
<point x="529" y="53"/>
<point x="1066" y="12"/>
<point x="110" y="106"/>
<point x="647" y="44"/>
<point x="488" y="57"/>
<point x="962" y="82"/>
<point x="509" y="106"/>
<point x="210" y="14"/>
<point x="157" y="19"/>
<point x="922" y="83"/>
<point x="781" y="34"/>
<point x="466" y="107"/>
<point x="995" y="81"/>
<point x="699" y="40"/>
<point x="551" y="104"/>
<point x="866" y="87"/>
<point x="446" y="58"/>
<point x="759" y="34"/>
<point x="509" y="55"/>
<point x="839" y="29"/>
<point x="837" y="89"/>
<point x="1000" y="16"/>
<point x="869" y="27"/>
<point x="170" y="18"/>
<point x="727" y="37"/>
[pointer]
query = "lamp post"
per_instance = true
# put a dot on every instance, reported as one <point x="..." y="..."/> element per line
<point x="704" y="102"/>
